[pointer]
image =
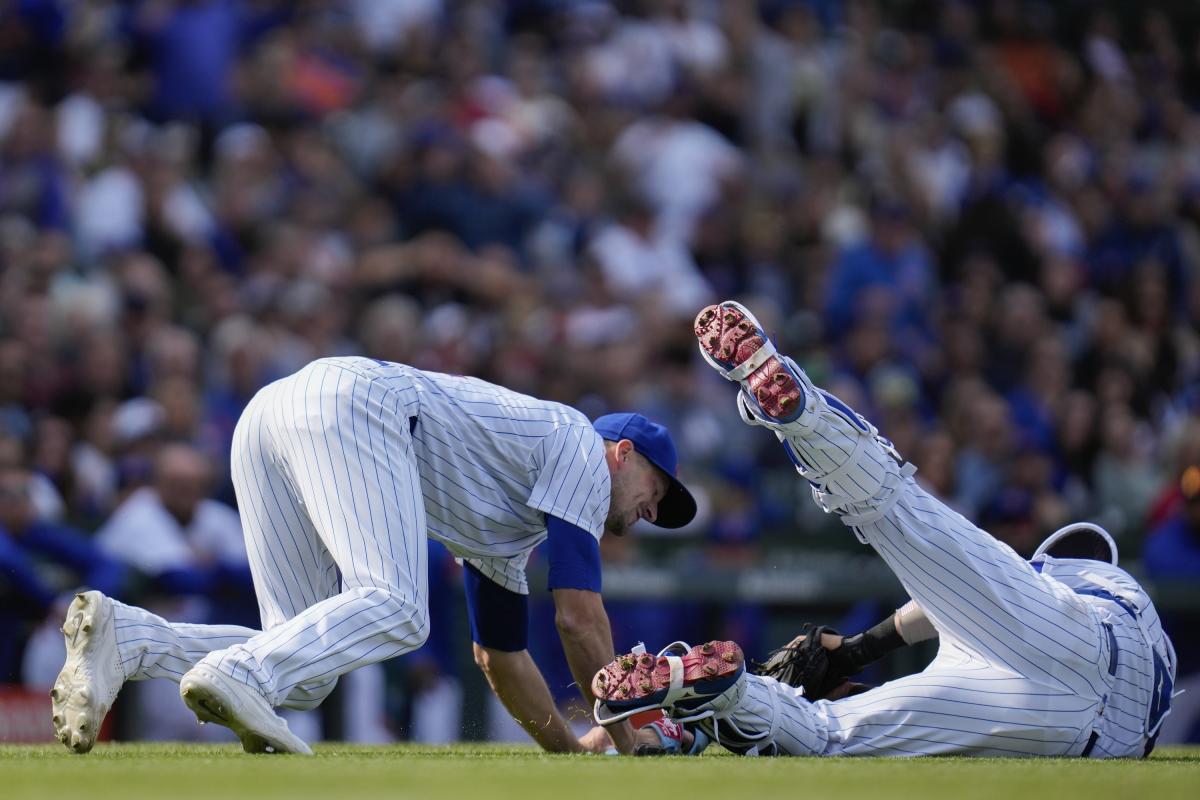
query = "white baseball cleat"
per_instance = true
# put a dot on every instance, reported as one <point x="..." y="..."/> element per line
<point x="91" y="677"/>
<point x="215" y="697"/>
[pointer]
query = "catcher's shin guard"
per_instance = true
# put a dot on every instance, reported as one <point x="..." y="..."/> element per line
<point x="854" y="471"/>
<point x="736" y="740"/>
<point x="690" y="682"/>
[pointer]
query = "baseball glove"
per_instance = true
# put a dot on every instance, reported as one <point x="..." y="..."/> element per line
<point x="804" y="663"/>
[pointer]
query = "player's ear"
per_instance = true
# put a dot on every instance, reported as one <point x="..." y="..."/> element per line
<point x="617" y="454"/>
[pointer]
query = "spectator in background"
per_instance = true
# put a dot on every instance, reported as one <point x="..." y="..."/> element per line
<point x="642" y="266"/>
<point x="169" y="530"/>
<point x="192" y="47"/>
<point x="1172" y="546"/>
<point x="191" y="549"/>
<point x="33" y="182"/>
<point x="887" y="279"/>
<point x="1172" y="557"/>
<point x="1172" y="549"/>
<point x="682" y="167"/>
<point x="1126" y="476"/>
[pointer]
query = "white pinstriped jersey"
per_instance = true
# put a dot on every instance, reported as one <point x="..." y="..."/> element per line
<point x="1061" y="657"/>
<point x="493" y="462"/>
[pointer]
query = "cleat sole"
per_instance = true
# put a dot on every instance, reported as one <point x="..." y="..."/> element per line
<point x="729" y="338"/>
<point x="621" y="686"/>
<point x="89" y="680"/>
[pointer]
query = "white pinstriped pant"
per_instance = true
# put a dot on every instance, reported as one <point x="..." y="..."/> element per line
<point x="331" y="509"/>
<point x="1023" y="662"/>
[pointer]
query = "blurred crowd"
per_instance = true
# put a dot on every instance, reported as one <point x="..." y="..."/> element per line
<point x="978" y="222"/>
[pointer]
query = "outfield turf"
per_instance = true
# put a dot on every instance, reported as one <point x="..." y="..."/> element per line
<point x="179" y="772"/>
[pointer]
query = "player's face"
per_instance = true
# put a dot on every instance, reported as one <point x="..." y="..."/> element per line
<point x="637" y="488"/>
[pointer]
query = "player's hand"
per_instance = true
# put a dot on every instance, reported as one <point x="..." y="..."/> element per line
<point x="830" y="641"/>
<point x="661" y="738"/>
<point x="597" y="741"/>
<point x="810" y="664"/>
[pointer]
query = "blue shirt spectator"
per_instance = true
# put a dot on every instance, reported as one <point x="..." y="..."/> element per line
<point x="1172" y="550"/>
<point x="39" y="561"/>
<point x="889" y="276"/>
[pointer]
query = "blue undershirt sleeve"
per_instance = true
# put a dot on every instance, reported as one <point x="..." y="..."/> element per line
<point x="499" y="618"/>
<point x="574" y="556"/>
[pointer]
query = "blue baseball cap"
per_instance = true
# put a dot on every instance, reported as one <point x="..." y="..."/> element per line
<point x="653" y="441"/>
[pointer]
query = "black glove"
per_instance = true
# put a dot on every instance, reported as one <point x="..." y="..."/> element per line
<point x="824" y="674"/>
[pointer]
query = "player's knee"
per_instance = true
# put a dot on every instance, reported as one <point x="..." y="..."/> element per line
<point x="416" y="630"/>
<point x="420" y="627"/>
<point x="412" y="614"/>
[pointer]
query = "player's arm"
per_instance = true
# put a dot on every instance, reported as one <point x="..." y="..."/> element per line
<point x="907" y="625"/>
<point x="580" y="617"/>
<point x="499" y="622"/>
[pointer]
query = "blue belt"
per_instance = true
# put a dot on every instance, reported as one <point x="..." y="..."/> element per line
<point x="1107" y="595"/>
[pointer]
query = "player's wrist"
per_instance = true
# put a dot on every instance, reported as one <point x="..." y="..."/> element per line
<point x="858" y="652"/>
<point x="623" y="737"/>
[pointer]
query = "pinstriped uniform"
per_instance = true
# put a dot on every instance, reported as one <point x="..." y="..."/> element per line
<point x="1026" y="664"/>
<point x="341" y="472"/>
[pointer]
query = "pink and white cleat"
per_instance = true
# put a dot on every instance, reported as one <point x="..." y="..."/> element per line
<point x="692" y="685"/>
<point x="734" y="343"/>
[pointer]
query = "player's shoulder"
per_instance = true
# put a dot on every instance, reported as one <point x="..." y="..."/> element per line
<point x="572" y="428"/>
<point x="573" y="416"/>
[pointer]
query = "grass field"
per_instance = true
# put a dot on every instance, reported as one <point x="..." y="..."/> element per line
<point x="180" y="772"/>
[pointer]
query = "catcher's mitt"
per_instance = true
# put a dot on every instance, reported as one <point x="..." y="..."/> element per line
<point x="804" y="663"/>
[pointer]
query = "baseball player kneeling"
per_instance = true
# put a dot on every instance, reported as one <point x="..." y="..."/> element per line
<point x="342" y="472"/>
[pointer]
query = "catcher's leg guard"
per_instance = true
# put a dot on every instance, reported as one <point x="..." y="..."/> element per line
<point x="702" y="681"/>
<point x="853" y="470"/>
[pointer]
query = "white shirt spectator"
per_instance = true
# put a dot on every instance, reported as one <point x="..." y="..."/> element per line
<point x="110" y="211"/>
<point x="635" y="63"/>
<point x="634" y="265"/>
<point x="383" y="24"/>
<point x="697" y="44"/>
<point x="143" y="534"/>
<point x="679" y="166"/>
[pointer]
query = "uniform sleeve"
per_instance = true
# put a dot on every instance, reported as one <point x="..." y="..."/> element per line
<point x="572" y="480"/>
<point x="574" y="556"/>
<point x="499" y="618"/>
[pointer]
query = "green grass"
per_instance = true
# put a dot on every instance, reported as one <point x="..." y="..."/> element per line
<point x="179" y="772"/>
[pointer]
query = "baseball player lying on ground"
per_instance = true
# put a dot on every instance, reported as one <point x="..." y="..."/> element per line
<point x="341" y="472"/>
<point x="1059" y="656"/>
